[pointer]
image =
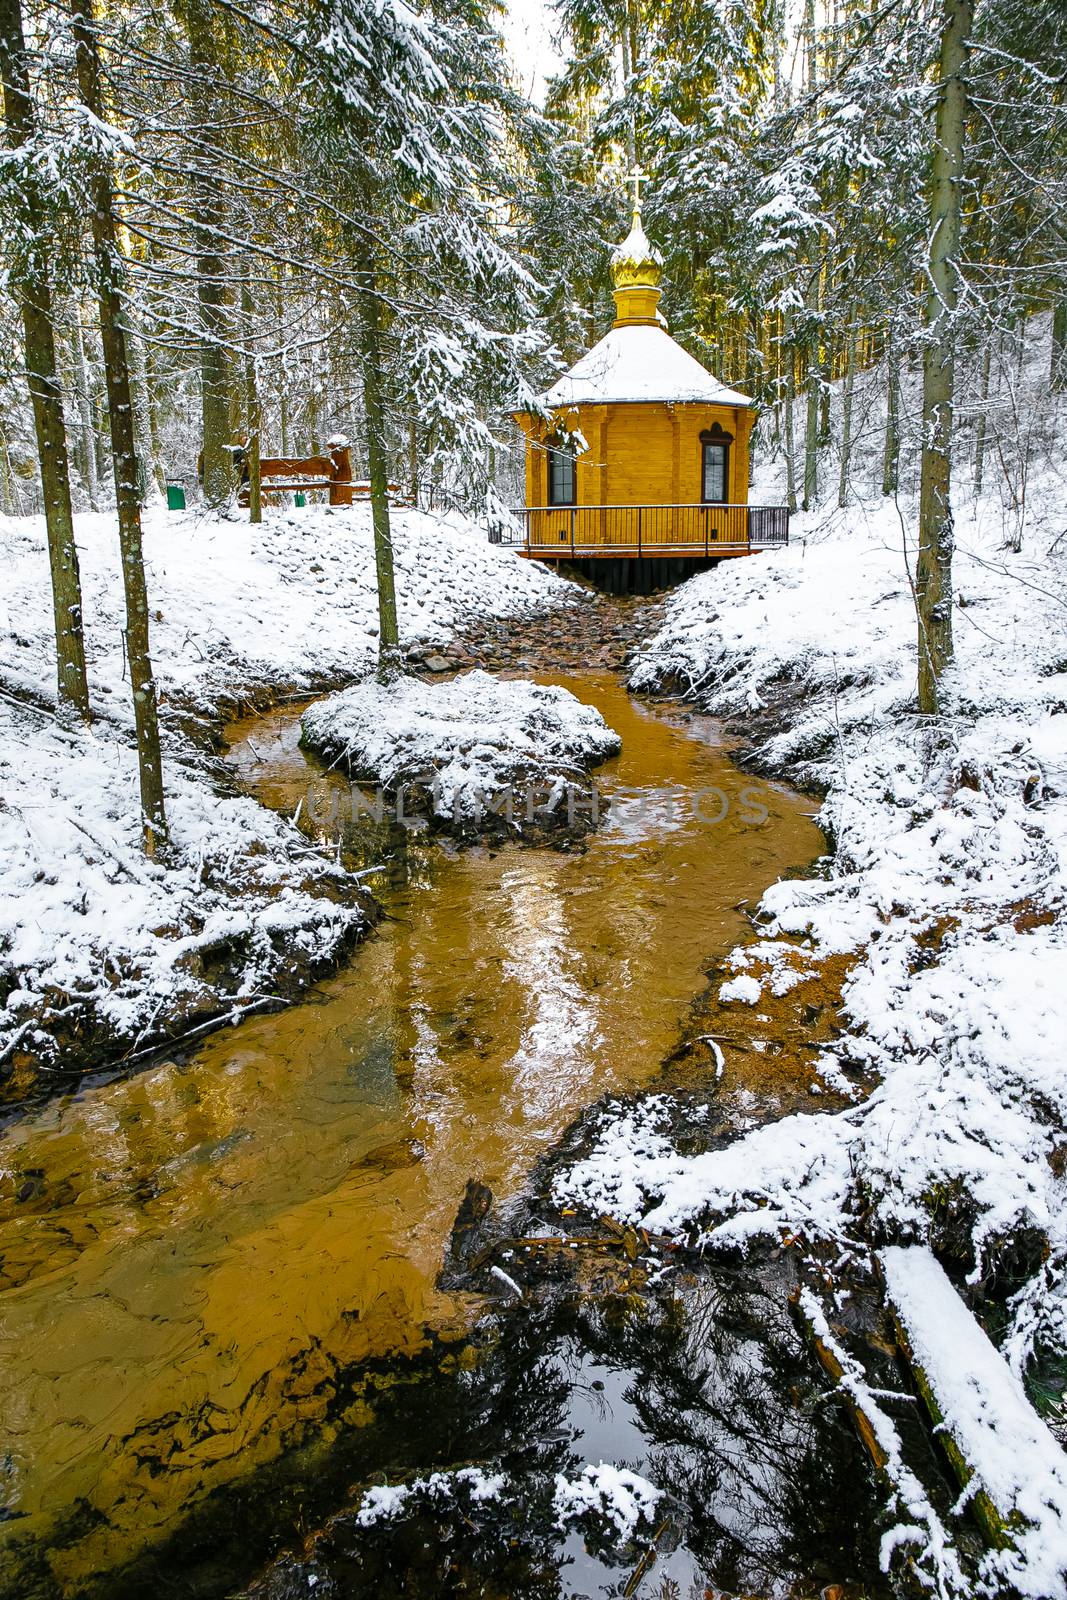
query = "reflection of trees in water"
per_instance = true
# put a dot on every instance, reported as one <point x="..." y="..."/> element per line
<point x="772" y="1482"/>
<point x="767" y="1482"/>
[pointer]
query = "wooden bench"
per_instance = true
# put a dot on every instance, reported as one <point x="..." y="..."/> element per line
<point x="307" y="475"/>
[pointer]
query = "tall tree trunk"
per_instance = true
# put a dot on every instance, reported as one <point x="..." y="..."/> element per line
<point x="211" y="288"/>
<point x="390" y="662"/>
<point x="811" y="439"/>
<point x="1058" y="364"/>
<point x="983" y="406"/>
<point x="813" y="390"/>
<point x="152" y="481"/>
<point x="123" y="447"/>
<point x="891" y="452"/>
<point x="8" y="501"/>
<point x="846" y="410"/>
<point x="787" y="420"/>
<point x="34" y="293"/>
<point x="253" y="412"/>
<point x="933" y="576"/>
<point x="85" y="407"/>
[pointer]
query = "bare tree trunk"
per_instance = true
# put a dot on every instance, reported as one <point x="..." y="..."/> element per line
<point x="390" y="662"/>
<point x="983" y="406"/>
<point x="123" y="447"/>
<point x="891" y="452"/>
<point x="813" y="387"/>
<point x="413" y="460"/>
<point x="283" y="369"/>
<point x="787" y="421"/>
<point x="8" y="502"/>
<point x="85" y="407"/>
<point x="933" y="576"/>
<point x="253" y="412"/>
<point x="152" y="481"/>
<point x="846" y="411"/>
<point x="209" y="219"/>
<point x="34" y="294"/>
<point x="811" y="438"/>
<point x="1058" y="364"/>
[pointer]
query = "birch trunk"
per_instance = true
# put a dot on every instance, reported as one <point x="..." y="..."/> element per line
<point x="34" y="293"/>
<point x="123" y="446"/>
<point x="933" y="576"/>
<point x="151" y="480"/>
<point x="813" y="388"/>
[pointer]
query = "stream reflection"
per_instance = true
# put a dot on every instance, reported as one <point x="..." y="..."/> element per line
<point x="195" y="1260"/>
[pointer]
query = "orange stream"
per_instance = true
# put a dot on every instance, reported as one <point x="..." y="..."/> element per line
<point x="199" y="1248"/>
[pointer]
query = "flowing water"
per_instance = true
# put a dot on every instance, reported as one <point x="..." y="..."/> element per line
<point x="213" y="1266"/>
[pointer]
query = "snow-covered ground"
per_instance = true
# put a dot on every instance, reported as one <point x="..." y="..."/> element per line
<point x="948" y="885"/>
<point x="236" y="607"/>
<point x="477" y="751"/>
<point x="100" y="949"/>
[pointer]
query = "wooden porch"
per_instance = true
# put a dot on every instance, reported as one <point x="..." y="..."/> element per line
<point x="568" y="533"/>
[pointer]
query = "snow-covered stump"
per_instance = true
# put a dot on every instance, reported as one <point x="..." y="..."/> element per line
<point x="476" y="756"/>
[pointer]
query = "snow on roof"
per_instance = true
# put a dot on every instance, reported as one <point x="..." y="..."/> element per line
<point x="637" y="363"/>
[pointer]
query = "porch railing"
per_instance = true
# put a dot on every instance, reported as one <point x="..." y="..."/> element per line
<point x="682" y="530"/>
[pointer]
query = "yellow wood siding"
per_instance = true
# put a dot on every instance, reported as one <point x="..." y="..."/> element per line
<point x="641" y="454"/>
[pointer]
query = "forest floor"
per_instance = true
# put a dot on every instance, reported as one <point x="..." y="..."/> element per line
<point x="104" y="956"/>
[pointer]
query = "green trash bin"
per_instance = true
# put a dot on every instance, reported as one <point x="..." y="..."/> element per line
<point x="300" y="499"/>
<point x="175" y="497"/>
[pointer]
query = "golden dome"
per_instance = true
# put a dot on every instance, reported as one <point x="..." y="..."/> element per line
<point x="636" y="263"/>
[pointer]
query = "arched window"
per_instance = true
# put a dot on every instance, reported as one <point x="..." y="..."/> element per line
<point x="715" y="443"/>
<point x="561" y="477"/>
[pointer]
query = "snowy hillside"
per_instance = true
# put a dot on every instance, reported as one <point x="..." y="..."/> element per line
<point x="948" y="886"/>
<point x="100" y="949"/>
<point x="237" y="607"/>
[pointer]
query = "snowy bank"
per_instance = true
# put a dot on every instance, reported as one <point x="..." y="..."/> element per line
<point x="237" y="607"/>
<point x="477" y="754"/>
<point x="101" y="953"/>
<point x="947" y="892"/>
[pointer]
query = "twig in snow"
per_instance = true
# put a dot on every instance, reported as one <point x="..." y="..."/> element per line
<point x="120" y="861"/>
<point x="15" y="1040"/>
<point x="498" y="1272"/>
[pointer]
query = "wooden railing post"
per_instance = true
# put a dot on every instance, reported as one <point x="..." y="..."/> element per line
<point x="340" y="475"/>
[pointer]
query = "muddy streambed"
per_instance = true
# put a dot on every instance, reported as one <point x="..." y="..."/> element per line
<point x="218" y="1298"/>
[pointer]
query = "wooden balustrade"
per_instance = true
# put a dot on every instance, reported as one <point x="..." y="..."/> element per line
<point x="565" y="532"/>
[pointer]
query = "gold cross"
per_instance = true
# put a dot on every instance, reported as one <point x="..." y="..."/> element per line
<point x="637" y="178"/>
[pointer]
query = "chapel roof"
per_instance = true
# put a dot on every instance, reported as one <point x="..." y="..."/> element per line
<point x="637" y="363"/>
<point x="638" y="360"/>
